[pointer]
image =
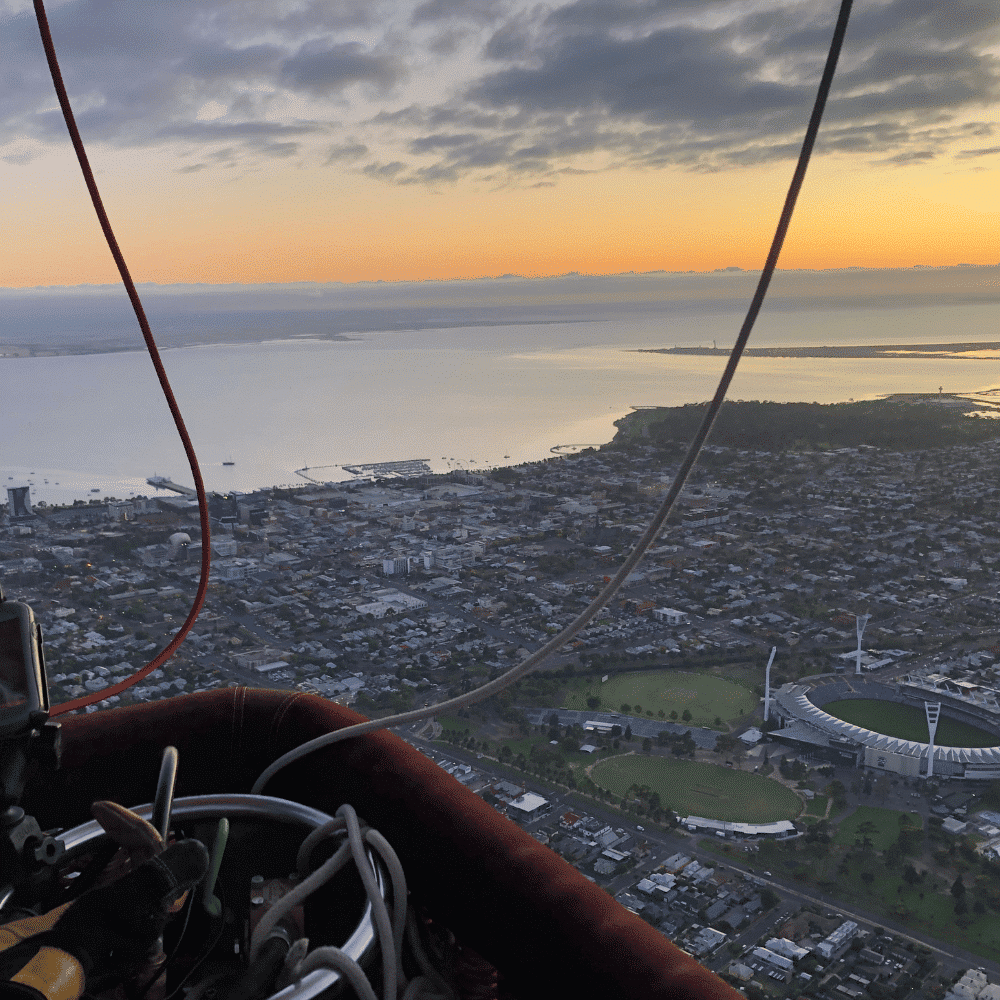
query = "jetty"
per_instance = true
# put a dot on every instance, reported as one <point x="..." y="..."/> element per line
<point x="162" y="483"/>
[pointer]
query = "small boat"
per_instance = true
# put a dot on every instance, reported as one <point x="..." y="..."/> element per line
<point x="229" y="462"/>
<point x="96" y="490"/>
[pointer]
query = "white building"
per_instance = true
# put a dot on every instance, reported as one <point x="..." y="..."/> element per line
<point x="782" y="946"/>
<point x="237" y="569"/>
<point x="397" y="566"/>
<point x="708" y="939"/>
<point x="835" y="944"/>
<point x="671" y="616"/>
<point x="529" y="805"/>
<point x="772" y="958"/>
<point x="969" y="987"/>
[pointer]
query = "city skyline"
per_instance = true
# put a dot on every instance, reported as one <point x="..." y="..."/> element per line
<point x="408" y="141"/>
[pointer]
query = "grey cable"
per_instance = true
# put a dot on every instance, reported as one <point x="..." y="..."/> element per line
<point x="315" y="836"/>
<point x="667" y="505"/>
<point x="400" y="901"/>
<point x="334" y="958"/>
<point x="299" y="894"/>
<point x="380" y="913"/>
<point x="392" y="930"/>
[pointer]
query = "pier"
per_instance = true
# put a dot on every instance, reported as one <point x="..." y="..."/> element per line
<point x="162" y="483"/>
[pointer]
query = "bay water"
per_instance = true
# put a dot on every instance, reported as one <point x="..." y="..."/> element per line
<point x="89" y="426"/>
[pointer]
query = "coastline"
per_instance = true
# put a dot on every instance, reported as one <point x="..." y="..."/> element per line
<point x="966" y="351"/>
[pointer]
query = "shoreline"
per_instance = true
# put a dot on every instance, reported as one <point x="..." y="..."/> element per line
<point x="964" y="351"/>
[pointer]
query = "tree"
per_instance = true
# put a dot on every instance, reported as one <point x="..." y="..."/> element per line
<point x="647" y="744"/>
<point x="593" y="702"/>
<point x="626" y="708"/>
<point x="686" y="715"/>
<point x="910" y="875"/>
<point x="673" y="715"/>
<point x="628" y="732"/>
<point x="837" y="791"/>
<point x="992" y="794"/>
<point x="958" y="888"/>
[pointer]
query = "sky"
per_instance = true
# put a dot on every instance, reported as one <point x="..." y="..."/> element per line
<point x="238" y="141"/>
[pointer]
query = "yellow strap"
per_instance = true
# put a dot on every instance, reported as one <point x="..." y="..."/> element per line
<point x="56" y="974"/>
<point x="17" y="930"/>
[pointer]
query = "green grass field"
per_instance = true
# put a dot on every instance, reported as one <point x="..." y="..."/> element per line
<point x="454" y="722"/>
<point x="817" y="806"/>
<point x="695" y="789"/>
<point x="908" y="723"/>
<point x="885" y="821"/>
<point x="704" y="696"/>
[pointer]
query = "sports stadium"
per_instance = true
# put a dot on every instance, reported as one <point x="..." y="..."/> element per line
<point x="801" y="710"/>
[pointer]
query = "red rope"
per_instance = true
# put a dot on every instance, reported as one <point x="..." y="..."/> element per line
<point x="154" y="354"/>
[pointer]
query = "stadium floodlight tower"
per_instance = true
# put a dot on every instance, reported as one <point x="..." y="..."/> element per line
<point x="767" y="684"/>
<point x="933" y="712"/>
<point x="862" y="621"/>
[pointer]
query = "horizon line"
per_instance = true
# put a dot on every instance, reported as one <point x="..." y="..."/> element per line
<point x="725" y="271"/>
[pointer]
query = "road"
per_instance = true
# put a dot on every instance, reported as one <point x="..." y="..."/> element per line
<point x="662" y="845"/>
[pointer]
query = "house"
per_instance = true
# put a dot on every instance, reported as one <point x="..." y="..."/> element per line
<point x="670" y="616"/>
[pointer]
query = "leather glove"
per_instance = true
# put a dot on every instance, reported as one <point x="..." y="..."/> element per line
<point x="106" y="931"/>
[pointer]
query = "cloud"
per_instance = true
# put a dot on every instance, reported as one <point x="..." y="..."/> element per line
<point x="280" y="150"/>
<point x="384" y="171"/>
<point x="968" y="154"/>
<point x="661" y="83"/>
<point x="140" y="74"/>
<point x="346" y="151"/>
<point x="482" y="11"/>
<point x="324" y="70"/>
<point x="513" y="91"/>
<point x="911" y="156"/>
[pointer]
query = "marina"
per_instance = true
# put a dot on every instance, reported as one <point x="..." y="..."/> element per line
<point x="374" y="470"/>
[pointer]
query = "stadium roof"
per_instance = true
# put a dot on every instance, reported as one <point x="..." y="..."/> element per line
<point x="794" y="699"/>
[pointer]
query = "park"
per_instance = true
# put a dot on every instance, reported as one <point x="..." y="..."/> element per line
<point x="707" y="700"/>
<point x="693" y="788"/>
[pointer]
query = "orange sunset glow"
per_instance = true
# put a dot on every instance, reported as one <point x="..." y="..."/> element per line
<point x="355" y="151"/>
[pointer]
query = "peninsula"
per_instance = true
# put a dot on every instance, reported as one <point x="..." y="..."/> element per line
<point x="972" y="350"/>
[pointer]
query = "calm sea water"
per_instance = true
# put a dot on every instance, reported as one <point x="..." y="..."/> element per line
<point x="471" y="397"/>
